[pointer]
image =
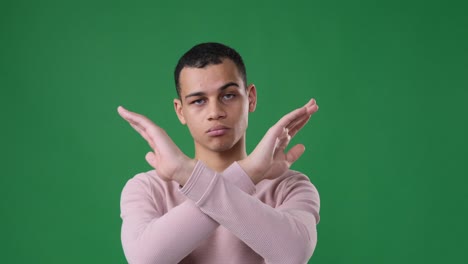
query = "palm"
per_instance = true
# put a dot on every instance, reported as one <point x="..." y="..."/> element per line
<point x="269" y="159"/>
<point x="278" y="166"/>
<point x="166" y="157"/>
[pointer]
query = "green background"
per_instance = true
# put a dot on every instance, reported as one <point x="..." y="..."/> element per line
<point x="387" y="150"/>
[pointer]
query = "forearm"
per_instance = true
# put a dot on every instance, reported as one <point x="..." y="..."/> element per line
<point x="148" y="236"/>
<point x="279" y="235"/>
<point x="153" y="240"/>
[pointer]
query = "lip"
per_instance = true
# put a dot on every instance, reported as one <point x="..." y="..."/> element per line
<point x="217" y="131"/>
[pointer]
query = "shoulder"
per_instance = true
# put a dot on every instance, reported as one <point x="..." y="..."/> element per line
<point x="147" y="192"/>
<point x="148" y="181"/>
<point x="137" y="187"/>
<point x="139" y="182"/>
<point x="146" y="186"/>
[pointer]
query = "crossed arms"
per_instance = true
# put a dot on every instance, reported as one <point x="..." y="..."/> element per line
<point x="149" y="235"/>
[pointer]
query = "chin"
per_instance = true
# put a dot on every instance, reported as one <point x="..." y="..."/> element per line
<point x="220" y="147"/>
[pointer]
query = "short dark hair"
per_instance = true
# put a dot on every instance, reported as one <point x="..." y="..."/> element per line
<point x="204" y="54"/>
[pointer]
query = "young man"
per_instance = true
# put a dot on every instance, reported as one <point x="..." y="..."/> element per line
<point x="222" y="206"/>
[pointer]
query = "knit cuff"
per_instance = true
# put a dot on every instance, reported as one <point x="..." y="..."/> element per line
<point x="199" y="183"/>
<point x="237" y="176"/>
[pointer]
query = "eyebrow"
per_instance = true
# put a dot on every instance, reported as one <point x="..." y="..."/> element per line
<point x="224" y="87"/>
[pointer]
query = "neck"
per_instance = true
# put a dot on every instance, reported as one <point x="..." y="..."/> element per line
<point x="219" y="161"/>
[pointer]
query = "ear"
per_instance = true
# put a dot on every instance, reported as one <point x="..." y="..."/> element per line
<point x="179" y="112"/>
<point x="252" y="94"/>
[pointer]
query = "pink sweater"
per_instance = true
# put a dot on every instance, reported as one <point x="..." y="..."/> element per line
<point x="219" y="218"/>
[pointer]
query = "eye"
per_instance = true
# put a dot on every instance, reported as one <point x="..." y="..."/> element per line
<point x="198" y="102"/>
<point x="229" y="96"/>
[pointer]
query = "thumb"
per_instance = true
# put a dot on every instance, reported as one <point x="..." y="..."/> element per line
<point x="294" y="153"/>
<point x="151" y="159"/>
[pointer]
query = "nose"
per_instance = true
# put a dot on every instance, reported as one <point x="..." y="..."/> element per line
<point x="216" y="111"/>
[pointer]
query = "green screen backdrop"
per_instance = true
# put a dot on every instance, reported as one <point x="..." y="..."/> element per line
<point x="387" y="150"/>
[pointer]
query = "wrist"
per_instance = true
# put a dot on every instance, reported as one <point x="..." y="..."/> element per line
<point x="249" y="170"/>
<point x="184" y="172"/>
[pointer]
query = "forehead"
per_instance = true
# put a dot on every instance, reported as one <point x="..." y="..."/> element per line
<point x="209" y="78"/>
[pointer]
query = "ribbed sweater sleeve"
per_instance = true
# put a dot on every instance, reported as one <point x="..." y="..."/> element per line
<point x="285" y="234"/>
<point x="148" y="235"/>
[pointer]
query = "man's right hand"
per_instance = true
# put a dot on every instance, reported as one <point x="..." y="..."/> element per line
<point x="269" y="160"/>
<point x="166" y="158"/>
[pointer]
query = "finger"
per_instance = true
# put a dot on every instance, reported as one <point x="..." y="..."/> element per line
<point x="296" y="122"/>
<point x="124" y="113"/>
<point x="294" y="153"/>
<point x="311" y="106"/>
<point x="283" y="140"/>
<point x="151" y="159"/>
<point x="310" y="109"/>
<point x="141" y="122"/>
<point x="296" y="114"/>
<point x="269" y="141"/>
<point x="286" y="120"/>
<point x="136" y="119"/>
<point x="144" y="135"/>
<point x="300" y="123"/>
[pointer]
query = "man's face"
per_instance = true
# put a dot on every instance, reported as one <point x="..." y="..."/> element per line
<point x="215" y="105"/>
